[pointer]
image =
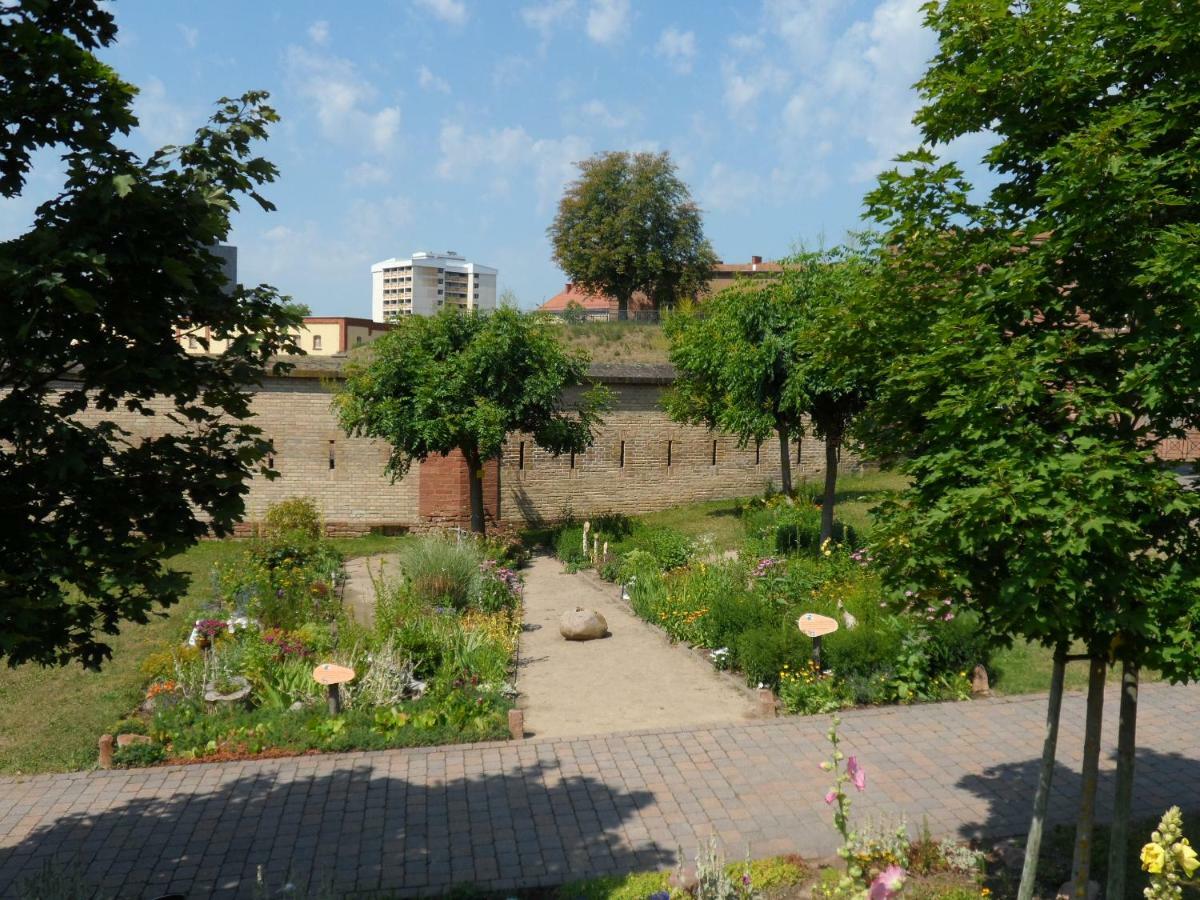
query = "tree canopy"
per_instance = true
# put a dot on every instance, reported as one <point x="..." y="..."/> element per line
<point x="95" y="295"/>
<point x="1047" y="335"/>
<point x="465" y="381"/>
<point x="628" y="224"/>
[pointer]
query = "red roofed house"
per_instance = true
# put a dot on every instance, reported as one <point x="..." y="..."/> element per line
<point x="601" y="308"/>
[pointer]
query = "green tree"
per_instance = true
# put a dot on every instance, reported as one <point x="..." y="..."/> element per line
<point x="465" y="381"/>
<point x="95" y="293"/>
<point x="733" y="357"/>
<point x="629" y="224"/>
<point x="1052" y="345"/>
<point x="297" y="309"/>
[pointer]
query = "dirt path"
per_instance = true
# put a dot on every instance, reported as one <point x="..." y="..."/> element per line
<point x="634" y="679"/>
<point x="358" y="593"/>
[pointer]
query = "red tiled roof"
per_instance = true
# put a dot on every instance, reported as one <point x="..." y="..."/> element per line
<point x="572" y="293"/>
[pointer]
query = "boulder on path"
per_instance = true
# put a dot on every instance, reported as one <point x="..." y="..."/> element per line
<point x="581" y="624"/>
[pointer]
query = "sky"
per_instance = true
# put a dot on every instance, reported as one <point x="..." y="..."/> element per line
<point x="455" y="124"/>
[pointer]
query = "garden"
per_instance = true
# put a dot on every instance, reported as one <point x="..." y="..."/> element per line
<point x="741" y="608"/>
<point x="434" y="667"/>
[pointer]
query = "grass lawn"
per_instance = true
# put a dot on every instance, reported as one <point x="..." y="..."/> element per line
<point x="617" y="342"/>
<point x="50" y="718"/>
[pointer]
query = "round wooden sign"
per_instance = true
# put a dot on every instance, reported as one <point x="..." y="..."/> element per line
<point x="329" y="673"/>
<point x="815" y="625"/>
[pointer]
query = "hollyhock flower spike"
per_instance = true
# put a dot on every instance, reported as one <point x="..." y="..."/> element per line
<point x="830" y="797"/>
<point x="858" y="775"/>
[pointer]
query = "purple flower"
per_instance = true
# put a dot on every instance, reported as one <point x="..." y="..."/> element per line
<point x="887" y="884"/>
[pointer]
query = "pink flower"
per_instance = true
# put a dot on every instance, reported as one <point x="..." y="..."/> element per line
<point x="830" y="797"/>
<point x="948" y="616"/>
<point x="858" y="775"/>
<point x="887" y="883"/>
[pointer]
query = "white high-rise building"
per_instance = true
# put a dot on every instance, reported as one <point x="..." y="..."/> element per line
<point x="427" y="283"/>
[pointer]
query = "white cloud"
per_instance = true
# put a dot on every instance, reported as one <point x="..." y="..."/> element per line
<point x="504" y="154"/>
<point x="599" y="112"/>
<point x="368" y="173"/>
<point x="803" y="24"/>
<point x="431" y="82"/>
<point x="161" y="120"/>
<point x="344" y="103"/>
<point x="544" y="17"/>
<point x="509" y="71"/>
<point x="678" y="48"/>
<point x="190" y="35"/>
<point x="608" y="20"/>
<point x="743" y="88"/>
<point x="318" y="32"/>
<point x="729" y="190"/>
<point x="452" y="12"/>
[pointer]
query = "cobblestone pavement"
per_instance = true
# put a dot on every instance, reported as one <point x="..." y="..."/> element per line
<point x="542" y="811"/>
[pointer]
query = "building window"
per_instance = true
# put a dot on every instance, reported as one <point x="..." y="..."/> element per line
<point x="316" y="342"/>
<point x="358" y="340"/>
<point x="192" y="342"/>
<point x="757" y="452"/>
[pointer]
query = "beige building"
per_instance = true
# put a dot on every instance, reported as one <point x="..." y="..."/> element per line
<point x="319" y="336"/>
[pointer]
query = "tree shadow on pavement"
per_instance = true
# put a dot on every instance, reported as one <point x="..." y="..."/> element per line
<point x="1162" y="780"/>
<point x="350" y="830"/>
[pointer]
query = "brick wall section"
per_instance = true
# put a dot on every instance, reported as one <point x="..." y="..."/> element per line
<point x="355" y="496"/>
<point x="545" y="487"/>
<point x="445" y="491"/>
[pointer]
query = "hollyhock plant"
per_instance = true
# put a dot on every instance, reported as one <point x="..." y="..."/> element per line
<point x="858" y="775"/>
<point x="887" y="883"/>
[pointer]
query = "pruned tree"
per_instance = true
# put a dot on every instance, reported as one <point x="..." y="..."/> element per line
<point x="465" y="381"/>
<point x="1052" y="346"/>
<point x="96" y="293"/>
<point x="629" y="225"/>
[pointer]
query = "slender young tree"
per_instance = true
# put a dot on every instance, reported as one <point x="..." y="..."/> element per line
<point x="95" y="296"/>
<point x="629" y="225"/>
<point x="465" y="381"/>
<point x="733" y="356"/>
<point x="1048" y="344"/>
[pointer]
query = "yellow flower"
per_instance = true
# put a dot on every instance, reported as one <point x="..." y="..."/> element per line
<point x="1153" y="858"/>
<point x="1186" y="857"/>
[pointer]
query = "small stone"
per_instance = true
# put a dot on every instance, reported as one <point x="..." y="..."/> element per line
<point x="516" y="724"/>
<point x="979" y="681"/>
<point x="766" y="703"/>
<point x="581" y="624"/>
<point x="128" y="740"/>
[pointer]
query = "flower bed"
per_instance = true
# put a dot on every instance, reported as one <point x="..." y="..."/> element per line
<point x="436" y="668"/>
<point x="744" y="610"/>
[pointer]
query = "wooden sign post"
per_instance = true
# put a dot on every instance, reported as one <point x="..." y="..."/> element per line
<point x="332" y="676"/>
<point x="816" y="626"/>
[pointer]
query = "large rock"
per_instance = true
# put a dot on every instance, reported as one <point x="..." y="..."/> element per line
<point x="581" y="624"/>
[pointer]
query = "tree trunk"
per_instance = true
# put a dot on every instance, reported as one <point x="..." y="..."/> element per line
<point x="622" y="307"/>
<point x="785" y="461"/>
<point x="1041" y="799"/>
<point x="832" y="449"/>
<point x="475" y="482"/>
<point x="1126" y="746"/>
<point x="1081" y="867"/>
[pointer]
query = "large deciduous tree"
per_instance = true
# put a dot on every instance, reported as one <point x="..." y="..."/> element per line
<point x="95" y="295"/>
<point x="629" y="225"/>
<point x="465" y="381"/>
<point x="1054" y="346"/>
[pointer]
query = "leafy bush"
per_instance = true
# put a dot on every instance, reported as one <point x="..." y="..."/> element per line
<point x="763" y="651"/>
<point x="568" y="545"/>
<point x="671" y="548"/>
<point x="807" y="691"/>
<point x="442" y="572"/>
<point x="499" y="588"/>
<point x="293" y="517"/>
<point x="138" y="755"/>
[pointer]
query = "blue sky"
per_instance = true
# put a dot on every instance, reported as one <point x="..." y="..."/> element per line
<point x="454" y="124"/>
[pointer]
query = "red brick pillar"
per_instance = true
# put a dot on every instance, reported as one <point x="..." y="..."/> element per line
<point x="444" y="494"/>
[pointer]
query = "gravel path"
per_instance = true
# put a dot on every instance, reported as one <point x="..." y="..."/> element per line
<point x="633" y="679"/>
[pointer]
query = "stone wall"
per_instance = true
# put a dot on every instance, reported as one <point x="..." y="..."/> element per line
<point x="626" y="470"/>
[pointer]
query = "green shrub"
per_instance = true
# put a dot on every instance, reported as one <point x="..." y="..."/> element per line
<point x="295" y="516"/>
<point x="138" y="755"/>
<point x="762" y="652"/>
<point x="568" y="545"/>
<point x="671" y="548"/>
<point x="129" y="726"/>
<point x="442" y="572"/>
<point x="864" y="651"/>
